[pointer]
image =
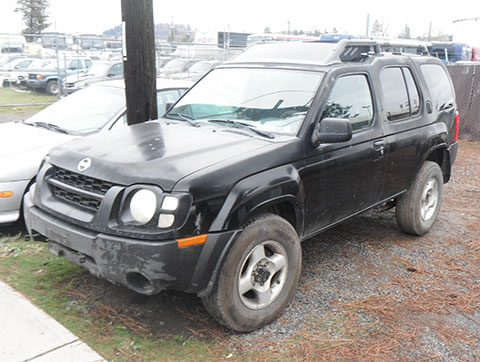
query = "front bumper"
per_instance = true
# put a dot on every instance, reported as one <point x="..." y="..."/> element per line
<point x="33" y="83"/>
<point x="10" y="206"/>
<point x="146" y="267"/>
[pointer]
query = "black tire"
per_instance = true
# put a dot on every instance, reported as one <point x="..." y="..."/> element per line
<point x="246" y="312"/>
<point x="418" y="208"/>
<point x="52" y="87"/>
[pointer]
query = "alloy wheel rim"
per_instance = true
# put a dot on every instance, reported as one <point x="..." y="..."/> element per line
<point x="429" y="200"/>
<point x="263" y="274"/>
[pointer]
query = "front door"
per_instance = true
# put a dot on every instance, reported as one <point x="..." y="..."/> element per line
<point x="345" y="178"/>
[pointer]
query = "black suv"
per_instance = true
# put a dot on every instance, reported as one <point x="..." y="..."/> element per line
<point x="267" y="150"/>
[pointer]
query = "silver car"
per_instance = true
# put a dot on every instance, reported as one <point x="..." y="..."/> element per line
<point x="23" y="145"/>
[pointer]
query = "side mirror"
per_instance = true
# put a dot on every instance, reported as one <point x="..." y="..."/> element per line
<point x="332" y="130"/>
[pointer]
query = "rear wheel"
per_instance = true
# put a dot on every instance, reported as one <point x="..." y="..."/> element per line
<point x="418" y="208"/>
<point x="259" y="276"/>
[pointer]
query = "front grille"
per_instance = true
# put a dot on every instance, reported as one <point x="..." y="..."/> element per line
<point x="81" y="190"/>
<point x="81" y="181"/>
<point x="77" y="198"/>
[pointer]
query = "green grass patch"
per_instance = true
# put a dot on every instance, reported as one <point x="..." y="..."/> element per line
<point x="50" y="283"/>
<point x="14" y="95"/>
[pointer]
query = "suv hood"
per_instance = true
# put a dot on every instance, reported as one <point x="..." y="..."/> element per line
<point x="159" y="152"/>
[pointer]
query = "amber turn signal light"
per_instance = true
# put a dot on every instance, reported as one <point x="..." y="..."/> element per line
<point x="5" y="194"/>
<point x="194" y="240"/>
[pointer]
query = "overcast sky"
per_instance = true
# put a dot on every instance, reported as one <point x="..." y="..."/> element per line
<point x="95" y="16"/>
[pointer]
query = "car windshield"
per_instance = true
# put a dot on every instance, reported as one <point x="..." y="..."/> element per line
<point x="99" y="68"/>
<point x="271" y="100"/>
<point x="83" y="112"/>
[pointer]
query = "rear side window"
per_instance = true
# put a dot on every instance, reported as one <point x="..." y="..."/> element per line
<point x="438" y="84"/>
<point x="351" y="99"/>
<point x="400" y="94"/>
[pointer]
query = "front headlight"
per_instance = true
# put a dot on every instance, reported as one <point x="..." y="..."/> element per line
<point x="39" y="76"/>
<point x="143" y="205"/>
<point x="150" y="208"/>
<point x="81" y="84"/>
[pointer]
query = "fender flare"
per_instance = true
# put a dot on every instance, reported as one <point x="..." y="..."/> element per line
<point x="278" y="185"/>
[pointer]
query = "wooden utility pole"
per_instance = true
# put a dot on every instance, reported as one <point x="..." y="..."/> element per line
<point x="139" y="60"/>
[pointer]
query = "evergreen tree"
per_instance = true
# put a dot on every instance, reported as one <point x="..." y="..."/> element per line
<point x="379" y="29"/>
<point x="34" y="15"/>
<point x="405" y="34"/>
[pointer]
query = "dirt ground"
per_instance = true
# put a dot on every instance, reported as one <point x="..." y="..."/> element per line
<point x="367" y="291"/>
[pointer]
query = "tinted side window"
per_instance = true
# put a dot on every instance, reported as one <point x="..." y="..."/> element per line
<point x="351" y="99"/>
<point x="395" y="96"/>
<point x="438" y="84"/>
<point x="412" y="91"/>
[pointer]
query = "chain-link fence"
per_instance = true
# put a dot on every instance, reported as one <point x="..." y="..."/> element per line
<point x="466" y="81"/>
<point x="37" y="69"/>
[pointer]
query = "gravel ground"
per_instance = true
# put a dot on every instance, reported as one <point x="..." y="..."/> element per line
<point x="367" y="291"/>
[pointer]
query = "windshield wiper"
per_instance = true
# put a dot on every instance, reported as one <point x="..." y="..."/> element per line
<point x="243" y="125"/>
<point x="49" y="126"/>
<point x="186" y="118"/>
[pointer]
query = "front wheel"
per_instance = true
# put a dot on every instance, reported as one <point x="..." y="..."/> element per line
<point x="417" y="209"/>
<point x="52" y="87"/>
<point x="259" y="275"/>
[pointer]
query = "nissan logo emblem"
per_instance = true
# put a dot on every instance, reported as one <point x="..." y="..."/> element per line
<point x="84" y="164"/>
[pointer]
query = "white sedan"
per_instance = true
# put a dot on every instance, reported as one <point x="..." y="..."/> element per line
<point x="23" y="145"/>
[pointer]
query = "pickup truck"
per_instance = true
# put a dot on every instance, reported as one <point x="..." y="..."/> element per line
<point x="267" y="150"/>
<point x="49" y="79"/>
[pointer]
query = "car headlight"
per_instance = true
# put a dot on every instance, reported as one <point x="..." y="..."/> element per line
<point x="150" y="208"/>
<point x="39" y="76"/>
<point x="143" y="205"/>
<point x="81" y="84"/>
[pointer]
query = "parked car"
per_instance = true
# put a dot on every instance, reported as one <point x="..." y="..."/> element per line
<point x="197" y="70"/>
<point x="23" y="145"/>
<point x="267" y="150"/>
<point x="20" y="76"/>
<point x="176" y="65"/>
<point x="99" y="71"/>
<point x="48" y="80"/>
<point x="7" y="71"/>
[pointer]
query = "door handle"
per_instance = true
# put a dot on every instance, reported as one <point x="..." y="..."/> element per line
<point x="379" y="146"/>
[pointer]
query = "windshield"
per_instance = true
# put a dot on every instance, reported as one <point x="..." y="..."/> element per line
<point x="85" y="111"/>
<point x="99" y="69"/>
<point x="272" y="100"/>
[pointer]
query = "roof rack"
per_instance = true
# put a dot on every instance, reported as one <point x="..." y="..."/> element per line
<point x="355" y="50"/>
<point x="350" y="50"/>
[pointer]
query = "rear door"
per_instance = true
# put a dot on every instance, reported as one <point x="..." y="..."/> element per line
<point x="345" y="178"/>
<point x="403" y="118"/>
